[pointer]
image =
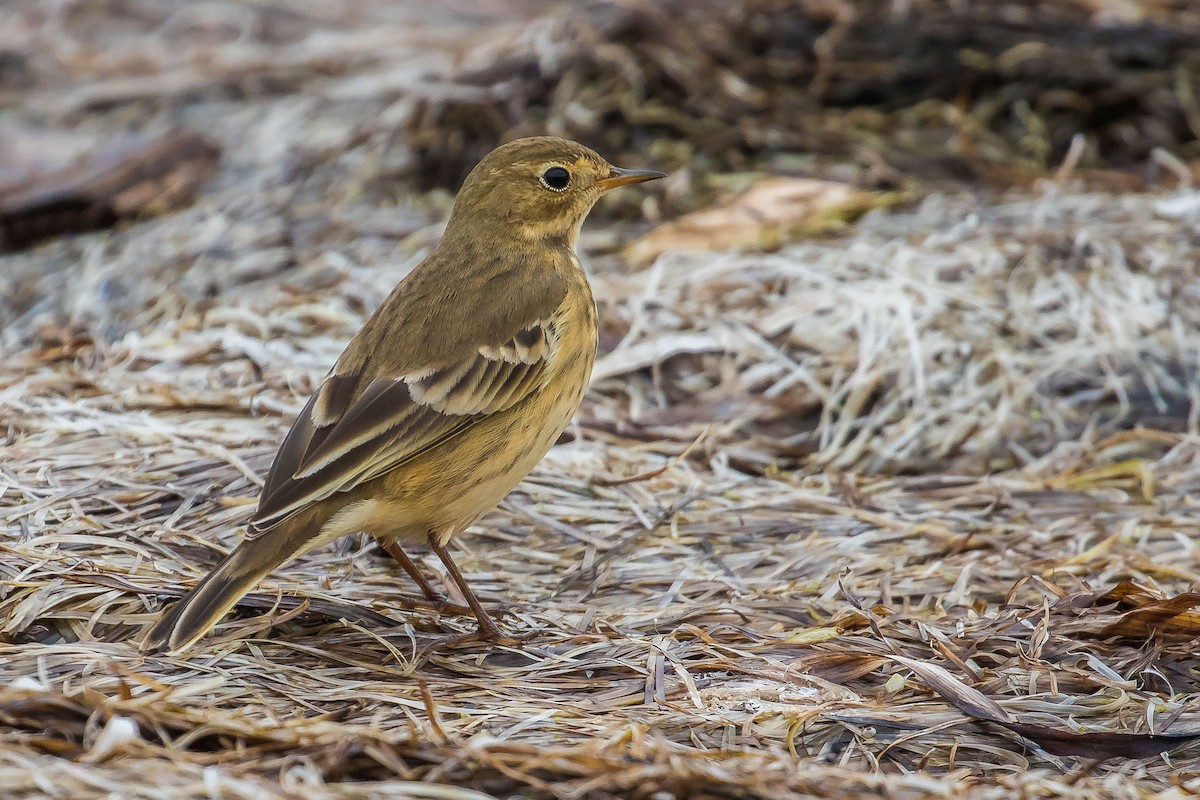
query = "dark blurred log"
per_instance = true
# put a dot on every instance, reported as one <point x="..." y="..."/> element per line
<point x="993" y="90"/>
<point x="120" y="182"/>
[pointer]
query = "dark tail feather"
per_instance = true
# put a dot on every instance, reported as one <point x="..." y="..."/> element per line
<point x="188" y="620"/>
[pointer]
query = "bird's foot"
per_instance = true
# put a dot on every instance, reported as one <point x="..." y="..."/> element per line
<point x="501" y="610"/>
<point x="488" y="631"/>
<point x="494" y="635"/>
<point x="443" y="606"/>
<point x="498" y="611"/>
<point x="497" y="638"/>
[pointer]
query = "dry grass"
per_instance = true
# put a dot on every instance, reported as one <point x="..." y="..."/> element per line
<point x="695" y="622"/>
<point x="960" y="437"/>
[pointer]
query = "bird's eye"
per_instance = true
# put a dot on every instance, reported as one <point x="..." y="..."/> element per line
<point x="556" y="178"/>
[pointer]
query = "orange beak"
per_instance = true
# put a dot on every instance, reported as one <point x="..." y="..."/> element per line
<point x="623" y="177"/>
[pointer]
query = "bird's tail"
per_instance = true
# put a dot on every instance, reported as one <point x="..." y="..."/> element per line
<point x="184" y="623"/>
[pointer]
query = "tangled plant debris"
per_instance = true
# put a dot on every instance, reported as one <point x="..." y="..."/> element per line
<point x="699" y="613"/>
<point x="907" y="509"/>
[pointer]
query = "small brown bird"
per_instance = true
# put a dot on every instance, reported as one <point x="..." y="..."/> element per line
<point x="449" y="394"/>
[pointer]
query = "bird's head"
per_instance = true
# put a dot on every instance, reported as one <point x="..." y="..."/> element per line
<point x="538" y="188"/>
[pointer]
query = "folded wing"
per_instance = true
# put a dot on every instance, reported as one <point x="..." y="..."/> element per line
<point x="359" y="426"/>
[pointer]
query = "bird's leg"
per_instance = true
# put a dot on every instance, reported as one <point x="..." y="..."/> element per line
<point x="487" y="628"/>
<point x="392" y="548"/>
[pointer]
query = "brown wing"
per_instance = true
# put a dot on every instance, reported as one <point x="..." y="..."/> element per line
<point x="356" y="428"/>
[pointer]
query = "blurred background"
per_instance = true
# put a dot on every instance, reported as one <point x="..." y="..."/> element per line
<point x="384" y="98"/>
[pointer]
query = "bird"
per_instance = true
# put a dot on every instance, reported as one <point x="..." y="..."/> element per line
<point x="447" y="397"/>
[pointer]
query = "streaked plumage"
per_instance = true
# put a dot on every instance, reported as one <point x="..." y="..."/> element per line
<point x="449" y="394"/>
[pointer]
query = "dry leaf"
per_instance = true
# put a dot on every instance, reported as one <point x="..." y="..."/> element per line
<point x="1174" y="617"/>
<point x="969" y="701"/>
<point x="769" y="213"/>
<point x="116" y="181"/>
<point x="1058" y="742"/>
<point x="1146" y="612"/>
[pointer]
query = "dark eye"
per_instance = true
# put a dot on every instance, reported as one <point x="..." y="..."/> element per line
<point x="556" y="178"/>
